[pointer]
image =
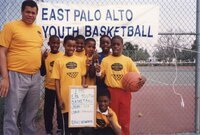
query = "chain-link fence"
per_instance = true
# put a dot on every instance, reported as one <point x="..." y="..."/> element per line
<point x="169" y="67"/>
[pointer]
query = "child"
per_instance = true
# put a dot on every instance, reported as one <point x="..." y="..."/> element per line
<point x="90" y="58"/>
<point x="107" y="122"/>
<point x="50" y="90"/>
<point x="68" y="70"/>
<point x="105" y="42"/>
<point x="113" y="67"/>
<point x="80" y="44"/>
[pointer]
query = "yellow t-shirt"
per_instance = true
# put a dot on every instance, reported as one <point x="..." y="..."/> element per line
<point x="69" y="70"/>
<point x="49" y="62"/>
<point x="24" y="44"/>
<point x="114" y="68"/>
<point x="80" y="54"/>
<point x="88" y="80"/>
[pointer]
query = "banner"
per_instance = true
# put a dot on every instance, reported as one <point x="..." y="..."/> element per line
<point x="133" y="22"/>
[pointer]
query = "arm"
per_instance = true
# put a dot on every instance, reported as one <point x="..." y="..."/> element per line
<point x="92" y="71"/>
<point x="99" y="73"/>
<point x="92" y="67"/>
<point x="43" y="67"/>
<point x="61" y="103"/>
<point x="88" y="63"/>
<point x="4" y="82"/>
<point x="84" y="82"/>
<point x="112" y="117"/>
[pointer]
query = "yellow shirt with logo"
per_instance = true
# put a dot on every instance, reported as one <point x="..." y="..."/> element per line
<point x="69" y="70"/>
<point x="49" y="62"/>
<point x="80" y="54"/>
<point x="24" y="44"/>
<point x="114" y="68"/>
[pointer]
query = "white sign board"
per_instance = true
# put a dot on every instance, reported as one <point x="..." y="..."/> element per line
<point x="82" y="110"/>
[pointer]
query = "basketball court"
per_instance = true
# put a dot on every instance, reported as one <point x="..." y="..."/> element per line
<point x="156" y="109"/>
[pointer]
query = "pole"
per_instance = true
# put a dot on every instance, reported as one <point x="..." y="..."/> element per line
<point x="197" y="77"/>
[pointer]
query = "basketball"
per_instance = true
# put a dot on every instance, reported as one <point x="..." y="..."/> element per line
<point x="130" y="81"/>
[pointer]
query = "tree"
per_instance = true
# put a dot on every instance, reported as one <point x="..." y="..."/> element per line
<point x="168" y="48"/>
<point x="194" y="49"/>
<point x="142" y="54"/>
<point x="172" y="46"/>
<point x="134" y="52"/>
<point x="184" y="55"/>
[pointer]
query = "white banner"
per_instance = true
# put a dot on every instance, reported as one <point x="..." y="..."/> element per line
<point x="134" y="22"/>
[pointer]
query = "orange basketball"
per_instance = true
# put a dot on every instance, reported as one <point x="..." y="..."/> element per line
<point x="130" y="81"/>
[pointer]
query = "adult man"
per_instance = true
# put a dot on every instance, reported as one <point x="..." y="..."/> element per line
<point x="20" y="60"/>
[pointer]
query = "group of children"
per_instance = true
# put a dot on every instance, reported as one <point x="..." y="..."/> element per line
<point x="82" y="65"/>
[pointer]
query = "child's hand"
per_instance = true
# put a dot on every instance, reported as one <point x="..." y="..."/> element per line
<point x="45" y="54"/>
<point x="84" y="85"/>
<point x="95" y="57"/>
<point x="142" y="81"/>
<point x="61" y="105"/>
<point x="110" y="115"/>
<point x="88" y="62"/>
<point x="98" y="68"/>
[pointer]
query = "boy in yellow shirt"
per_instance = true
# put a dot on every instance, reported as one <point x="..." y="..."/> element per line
<point x="106" y="118"/>
<point x="107" y="122"/>
<point x="113" y="68"/>
<point x="68" y="70"/>
<point x="50" y="90"/>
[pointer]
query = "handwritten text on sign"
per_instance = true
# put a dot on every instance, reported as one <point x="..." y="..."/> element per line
<point x="82" y="107"/>
<point x="127" y="21"/>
